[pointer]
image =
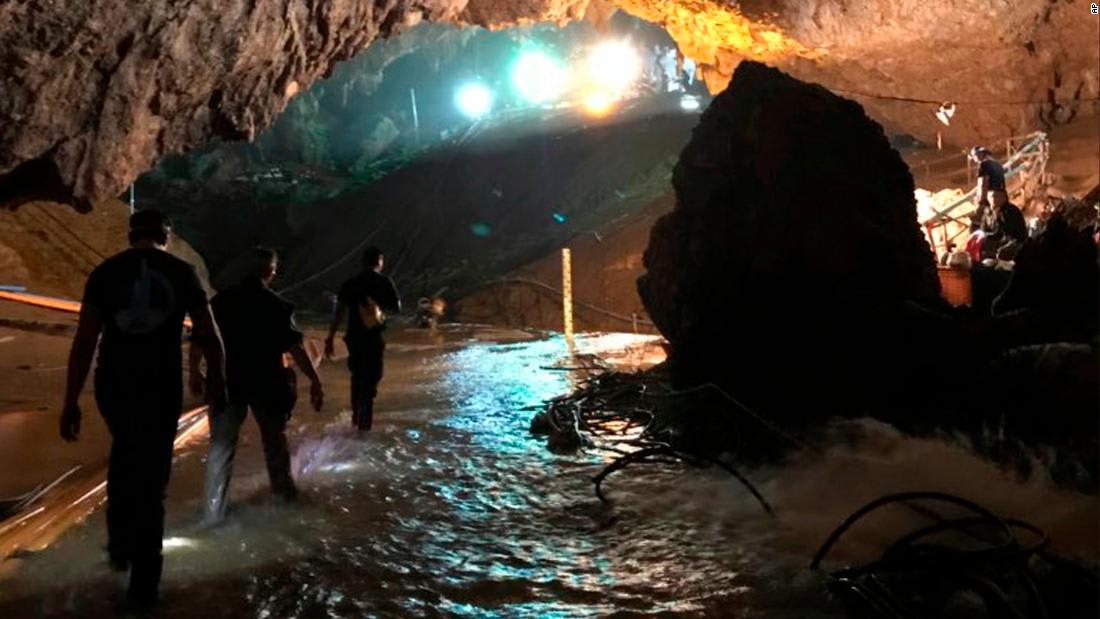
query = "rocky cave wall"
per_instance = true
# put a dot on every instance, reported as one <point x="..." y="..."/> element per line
<point x="1009" y="65"/>
<point x="96" y="91"/>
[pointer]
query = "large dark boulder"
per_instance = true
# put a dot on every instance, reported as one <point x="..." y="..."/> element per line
<point x="1056" y="279"/>
<point x="792" y="269"/>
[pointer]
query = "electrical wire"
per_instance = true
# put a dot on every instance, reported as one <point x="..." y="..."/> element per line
<point x="557" y="292"/>
<point x="927" y="574"/>
<point x="648" y="455"/>
<point x="897" y="498"/>
<point x="355" y="250"/>
<point x="867" y="95"/>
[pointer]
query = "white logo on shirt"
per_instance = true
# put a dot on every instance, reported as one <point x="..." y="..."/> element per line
<point x="152" y="299"/>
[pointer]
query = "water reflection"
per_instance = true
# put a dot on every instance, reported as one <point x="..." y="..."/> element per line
<point x="450" y="508"/>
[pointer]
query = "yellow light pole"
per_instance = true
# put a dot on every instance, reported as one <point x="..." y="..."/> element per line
<point x="567" y="295"/>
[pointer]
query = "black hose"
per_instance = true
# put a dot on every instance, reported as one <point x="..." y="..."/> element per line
<point x="984" y="571"/>
<point x="1033" y="592"/>
<point x="957" y="524"/>
<point x="642" y="455"/>
<point x="868" y="600"/>
<point x="895" y="498"/>
<point x="993" y="596"/>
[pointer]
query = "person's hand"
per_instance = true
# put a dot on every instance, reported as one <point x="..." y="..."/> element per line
<point x="329" y="349"/>
<point x="316" y="395"/>
<point x="70" y="422"/>
<point x="197" y="383"/>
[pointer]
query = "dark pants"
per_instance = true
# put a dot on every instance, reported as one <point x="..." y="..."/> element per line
<point x="225" y="428"/>
<point x="142" y="415"/>
<point x="365" y="362"/>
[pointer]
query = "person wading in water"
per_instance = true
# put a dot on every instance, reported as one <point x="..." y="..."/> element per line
<point x="258" y="327"/>
<point x="363" y="299"/>
<point x="134" y="307"/>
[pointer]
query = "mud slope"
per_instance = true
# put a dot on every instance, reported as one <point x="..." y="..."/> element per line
<point x="51" y="250"/>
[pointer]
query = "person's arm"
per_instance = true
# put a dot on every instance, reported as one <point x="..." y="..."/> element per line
<point x="292" y="343"/>
<point x="976" y="217"/>
<point x="305" y="364"/>
<point x="205" y="335"/>
<point x="80" y="363"/>
<point x="981" y="191"/>
<point x="395" y="298"/>
<point x="194" y="365"/>
<point x="337" y="318"/>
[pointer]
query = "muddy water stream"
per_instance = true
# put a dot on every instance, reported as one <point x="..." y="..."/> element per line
<point x="451" y="508"/>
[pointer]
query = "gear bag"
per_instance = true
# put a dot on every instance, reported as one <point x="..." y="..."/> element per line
<point x="371" y="314"/>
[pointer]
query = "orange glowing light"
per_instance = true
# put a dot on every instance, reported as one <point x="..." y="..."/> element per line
<point x="599" y="103"/>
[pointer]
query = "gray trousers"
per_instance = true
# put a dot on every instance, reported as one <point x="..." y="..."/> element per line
<point x="225" y="429"/>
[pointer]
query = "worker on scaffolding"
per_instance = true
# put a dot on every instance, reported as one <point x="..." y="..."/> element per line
<point x="137" y="301"/>
<point x="364" y="300"/>
<point x="1006" y="230"/>
<point x="991" y="177"/>
<point x="258" y="328"/>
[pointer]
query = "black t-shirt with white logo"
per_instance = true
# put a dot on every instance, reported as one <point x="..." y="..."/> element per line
<point x="358" y="292"/>
<point x="142" y="296"/>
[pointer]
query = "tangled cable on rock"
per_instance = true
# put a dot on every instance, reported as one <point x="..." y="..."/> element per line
<point x="919" y="575"/>
<point x="620" y="413"/>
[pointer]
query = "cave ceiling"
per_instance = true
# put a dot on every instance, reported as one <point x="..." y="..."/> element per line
<point x="96" y="91"/>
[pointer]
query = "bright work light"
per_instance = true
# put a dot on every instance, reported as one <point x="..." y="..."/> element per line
<point x="614" y="65"/>
<point x="474" y="99"/>
<point x="537" y="77"/>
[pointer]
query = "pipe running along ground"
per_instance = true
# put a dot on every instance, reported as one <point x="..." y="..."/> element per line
<point x="70" y="503"/>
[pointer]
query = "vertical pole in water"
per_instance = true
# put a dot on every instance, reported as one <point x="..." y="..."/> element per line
<point x="131" y="198"/>
<point x="567" y="295"/>
<point x="416" y="115"/>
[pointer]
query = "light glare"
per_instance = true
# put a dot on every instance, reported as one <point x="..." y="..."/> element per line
<point x="474" y="100"/>
<point x="614" y="65"/>
<point x="175" y="543"/>
<point x="599" y="103"/>
<point x="537" y="77"/>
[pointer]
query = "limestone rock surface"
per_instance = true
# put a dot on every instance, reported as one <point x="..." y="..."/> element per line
<point x="792" y="267"/>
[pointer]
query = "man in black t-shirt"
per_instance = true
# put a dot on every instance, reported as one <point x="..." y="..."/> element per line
<point x="991" y="177"/>
<point x="134" y="307"/>
<point x="1007" y="229"/>
<point x="364" y="299"/>
<point x="258" y="327"/>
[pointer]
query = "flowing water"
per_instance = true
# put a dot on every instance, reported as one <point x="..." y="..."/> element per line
<point x="451" y="508"/>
